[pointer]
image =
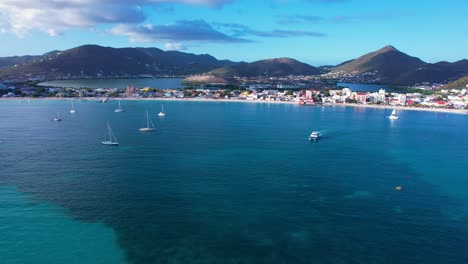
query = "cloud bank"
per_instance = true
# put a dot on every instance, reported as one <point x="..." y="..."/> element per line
<point x="184" y="30"/>
<point x="56" y="16"/>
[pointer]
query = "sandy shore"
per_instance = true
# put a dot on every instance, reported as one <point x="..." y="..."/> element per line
<point x="405" y="108"/>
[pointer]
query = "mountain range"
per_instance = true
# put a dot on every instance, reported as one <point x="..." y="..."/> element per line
<point x="93" y="60"/>
<point x="398" y="68"/>
<point x="391" y="65"/>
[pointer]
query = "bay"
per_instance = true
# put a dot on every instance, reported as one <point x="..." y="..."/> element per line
<point x="240" y="182"/>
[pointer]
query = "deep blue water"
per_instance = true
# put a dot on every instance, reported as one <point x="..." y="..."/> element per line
<point x="121" y="83"/>
<point x="232" y="183"/>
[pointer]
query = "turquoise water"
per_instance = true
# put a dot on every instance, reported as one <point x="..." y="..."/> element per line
<point x="39" y="233"/>
<point x="235" y="183"/>
<point x="121" y="83"/>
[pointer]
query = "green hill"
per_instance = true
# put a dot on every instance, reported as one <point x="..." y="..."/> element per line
<point x="270" y="67"/>
<point x="458" y="84"/>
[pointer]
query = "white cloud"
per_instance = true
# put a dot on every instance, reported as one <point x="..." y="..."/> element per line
<point x="180" y="31"/>
<point x="56" y="16"/>
<point x="174" y="46"/>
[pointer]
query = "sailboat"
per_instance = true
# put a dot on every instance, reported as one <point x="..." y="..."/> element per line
<point x="72" y="111"/>
<point x="149" y="125"/>
<point x="120" y="109"/>
<point x="112" y="139"/>
<point x="57" y="118"/>
<point x="162" y="113"/>
<point x="393" y="115"/>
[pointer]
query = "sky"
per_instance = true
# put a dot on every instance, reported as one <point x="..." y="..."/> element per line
<point x="318" y="32"/>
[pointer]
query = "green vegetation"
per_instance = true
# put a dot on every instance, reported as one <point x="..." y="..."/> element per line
<point x="39" y="92"/>
<point x="458" y="84"/>
<point x="412" y="90"/>
<point x="5" y="91"/>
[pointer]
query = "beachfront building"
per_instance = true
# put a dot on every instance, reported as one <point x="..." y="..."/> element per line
<point x="361" y="98"/>
<point x="402" y="99"/>
<point x="130" y="91"/>
<point x="346" y="92"/>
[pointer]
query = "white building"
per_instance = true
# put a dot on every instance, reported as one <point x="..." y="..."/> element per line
<point x="346" y="92"/>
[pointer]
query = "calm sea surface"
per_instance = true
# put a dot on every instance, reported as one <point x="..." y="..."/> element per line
<point x="231" y="183"/>
<point x="160" y="83"/>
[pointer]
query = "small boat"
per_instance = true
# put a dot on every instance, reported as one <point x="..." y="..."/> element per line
<point x="149" y="125"/>
<point x="398" y="188"/>
<point x="315" y="135"/>
<point x="308" y="102"/>
<point x="112" y="139"/>
<point x="72" y="111"/>
<point x="162" y="113"/>
<point x="57" y="118"/>
<point x="393" y="116"/>
<point x="120" y="109"/>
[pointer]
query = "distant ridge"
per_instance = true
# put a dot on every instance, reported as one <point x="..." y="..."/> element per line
<point x="269" y="67"/>
<point x="387" y="61"/>
<point x="396" y="67"/>
<point x="94" y="60"/>
<point x="458" y="84"/>
<point x="391" y="65"/>
<point x="14" y="60"/>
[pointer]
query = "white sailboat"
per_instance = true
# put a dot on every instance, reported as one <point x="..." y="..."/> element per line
<point x="149" y="125"/>
<point x="112" y="139"/>
<point x="393" y="116"/>
<point x="120" y="109"/>
<point x="57" y="118"/>
<point x="162" y="113"/>
<point x="72" y="111"/>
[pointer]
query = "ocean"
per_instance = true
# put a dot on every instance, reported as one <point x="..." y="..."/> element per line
<point x="231" y="183"/>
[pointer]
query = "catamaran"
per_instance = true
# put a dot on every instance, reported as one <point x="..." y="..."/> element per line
<point x="149" y="125"/>
<point x="393" y="115"/>
<point x="112" y="139"/>
<point x="120" y="109"/>
<point x="315" y="135"/>
<point x="57" y="118"/>
<point x="72" y="111"/>
<point x="162" y="113"/>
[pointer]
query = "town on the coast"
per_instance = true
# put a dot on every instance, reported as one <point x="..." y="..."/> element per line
<point x="277" y="90"/>
<point x="411" y="82"/>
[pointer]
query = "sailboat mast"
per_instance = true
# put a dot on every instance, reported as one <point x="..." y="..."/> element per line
<point x="147" y="120"/>
<point x="110" y="134"/>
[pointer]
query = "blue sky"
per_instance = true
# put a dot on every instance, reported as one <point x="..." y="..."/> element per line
<point x="317" y="32"/>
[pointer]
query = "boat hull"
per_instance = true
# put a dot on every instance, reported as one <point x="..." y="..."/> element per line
<point x="147" y="129"/>
<point x="109" y="143"/>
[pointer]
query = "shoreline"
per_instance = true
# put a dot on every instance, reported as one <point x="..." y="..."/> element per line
<point x="405" y="108"/>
